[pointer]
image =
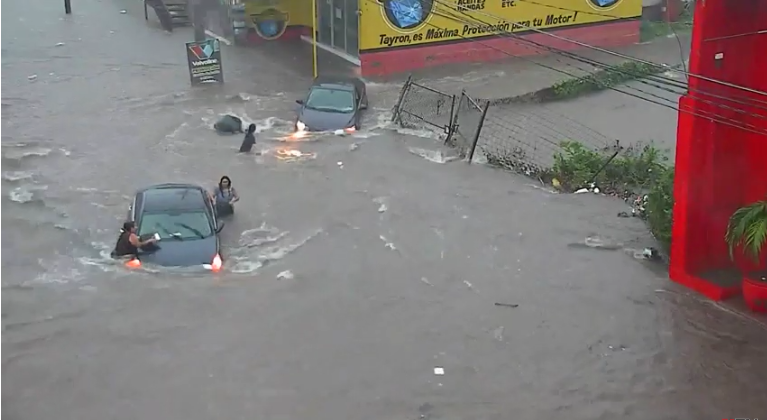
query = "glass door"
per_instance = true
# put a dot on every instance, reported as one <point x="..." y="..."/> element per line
<point x="325" y="21"/>
<point x="339" y="24"/>
<point x="352" y="27"/>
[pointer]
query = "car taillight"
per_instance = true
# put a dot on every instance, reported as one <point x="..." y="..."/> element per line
<point x="134" y="263"/>
<point x="216" y="264"/>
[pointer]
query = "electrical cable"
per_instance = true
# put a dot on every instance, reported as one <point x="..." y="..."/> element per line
<point x="754" y="128"/>
<point x="698" y="113"/>
<point x="576" y="57"/>
<point x="606" y="51"/>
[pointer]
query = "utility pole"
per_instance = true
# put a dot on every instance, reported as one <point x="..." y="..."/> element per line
<point x="68" y="7"/>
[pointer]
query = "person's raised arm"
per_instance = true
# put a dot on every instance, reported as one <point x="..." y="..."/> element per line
<point x="138" y="243"/>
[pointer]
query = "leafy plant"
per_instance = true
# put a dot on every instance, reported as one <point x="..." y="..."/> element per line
<point x="659" y="207"/>
<point x="602" y="79"/>
<point x="747" y="228"/>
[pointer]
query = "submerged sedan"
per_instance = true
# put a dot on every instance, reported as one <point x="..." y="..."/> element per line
<point x="184" y="219"/>
<point x="333" y="103"/>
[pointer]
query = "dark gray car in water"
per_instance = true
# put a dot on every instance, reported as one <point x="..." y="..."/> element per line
<point x="333" y="103"/>
<point x="185" y="219"/>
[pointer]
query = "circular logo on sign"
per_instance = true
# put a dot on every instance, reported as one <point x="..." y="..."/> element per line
<point x="406" y="15"/>
<point x="270" y="24"/>
<point x="603" y="5"/>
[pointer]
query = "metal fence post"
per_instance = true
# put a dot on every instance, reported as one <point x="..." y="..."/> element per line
<point x="403" y="92"/>
<point x="450" y="126"/>
<point x="618" y="149"/>
<point x="479" y="129"/>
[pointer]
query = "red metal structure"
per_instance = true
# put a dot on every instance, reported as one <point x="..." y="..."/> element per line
<point x="721" y="155"/>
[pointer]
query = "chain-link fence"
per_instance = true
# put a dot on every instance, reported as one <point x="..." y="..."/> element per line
<point x="467" y="122"/>
<point x="421" y="107"/>
<point x="526" y="138"/>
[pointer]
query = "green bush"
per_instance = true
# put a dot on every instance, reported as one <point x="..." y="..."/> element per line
<point x="603" y="79"/>
<point x="659" y="207"/>
<point x="638" y="174"/>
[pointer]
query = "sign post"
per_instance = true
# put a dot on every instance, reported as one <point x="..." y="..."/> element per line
<point x="204" y="60"/>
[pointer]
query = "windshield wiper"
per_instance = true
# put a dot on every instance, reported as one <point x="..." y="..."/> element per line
<point x="191" y="229"/>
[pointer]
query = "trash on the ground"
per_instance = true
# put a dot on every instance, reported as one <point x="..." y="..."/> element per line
<point x="439" y="371"/>
<point x="595" y="190"/>
<point x="555" y="183"/>
<point x="651" y="254"/>
<point x="508" y="305"/>
<point x="623" y="214"/>
<point x="32" y="77"/>
<point x="387" y="244"/>
<point x="498" y="333"/>
<point x="338" y="132"/>
<point x="340" y="164"/>
<point x="285" y="275"/>
<point x="60" y="44"/>
<point x="425" y="280"/>
<point x="581" y="191"/>
<point x="353" y="147"/>
<point x="383" y="208"/>
<point x="122" y="12"/>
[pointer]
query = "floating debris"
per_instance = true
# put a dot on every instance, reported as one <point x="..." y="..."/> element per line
<point x="285" y="275"/>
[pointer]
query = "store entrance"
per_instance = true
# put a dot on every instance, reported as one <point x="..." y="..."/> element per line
<point x="339" y="25"/>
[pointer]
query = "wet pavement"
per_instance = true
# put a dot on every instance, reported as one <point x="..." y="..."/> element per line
<point x="350" y="273"/>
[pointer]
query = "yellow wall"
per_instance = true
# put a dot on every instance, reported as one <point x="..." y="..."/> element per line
<point x="445" y="20"/>
<point x="286" y="12"/>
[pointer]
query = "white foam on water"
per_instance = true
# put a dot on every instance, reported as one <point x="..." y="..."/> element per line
<point x="25" y="153"/>
<point x="16" y="175"/>
<point x="436" y="156"/>
<point x="249" y="264"/>
<point x="25" y="194"/>
<point x="176" y="131"/>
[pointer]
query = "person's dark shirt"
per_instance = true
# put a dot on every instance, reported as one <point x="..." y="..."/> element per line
<point x="247" y="143"/>
<point x="123" y="246"/>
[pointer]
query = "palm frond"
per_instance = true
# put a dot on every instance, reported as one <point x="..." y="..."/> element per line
<point x="747" y="228"/>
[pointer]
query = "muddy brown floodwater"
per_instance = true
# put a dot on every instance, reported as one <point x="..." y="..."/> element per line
<point x="351" y="273"/>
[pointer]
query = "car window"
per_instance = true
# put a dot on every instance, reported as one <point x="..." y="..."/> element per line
<point x="179" y="225"/>
<point x="333" y="100"/>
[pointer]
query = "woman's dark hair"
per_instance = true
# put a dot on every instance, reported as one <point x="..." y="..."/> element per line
<point x="252" y="128"/>
<point x="128" y="226"/>
<point x="221" y="182"/>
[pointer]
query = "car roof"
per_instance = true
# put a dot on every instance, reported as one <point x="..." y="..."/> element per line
<point x="339" y="82"/>
<point x="173" y="197"/>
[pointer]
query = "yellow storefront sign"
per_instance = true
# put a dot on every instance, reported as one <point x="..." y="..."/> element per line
<point x="394" y="23"/>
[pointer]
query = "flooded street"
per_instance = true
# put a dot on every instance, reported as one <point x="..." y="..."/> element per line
<point x="351" y="275"/>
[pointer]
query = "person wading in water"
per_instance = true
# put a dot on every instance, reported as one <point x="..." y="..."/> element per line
<point x="225" y="196"/>
<point x="128" y="243"/>
<point x="249" y="140"/>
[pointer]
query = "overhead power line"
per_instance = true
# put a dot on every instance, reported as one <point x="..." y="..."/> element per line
<point x="606" y="51"/>
<point x="699" y="113"/>
<point x="655" y="78"/>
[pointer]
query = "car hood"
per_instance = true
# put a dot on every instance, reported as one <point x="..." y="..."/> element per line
<point x="325" y="121"/>
<point x="174" y="253"/>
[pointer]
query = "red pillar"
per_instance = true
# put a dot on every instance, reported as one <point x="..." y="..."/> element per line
<point x="719" y="167"/>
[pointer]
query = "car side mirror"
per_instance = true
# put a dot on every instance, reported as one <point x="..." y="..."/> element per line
<point x="300" y="101"/>
<point x="220" y="227"/>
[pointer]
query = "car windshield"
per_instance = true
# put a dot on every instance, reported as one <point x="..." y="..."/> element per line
<point x="176" y="225"/>
<point x="333" y="100"/>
